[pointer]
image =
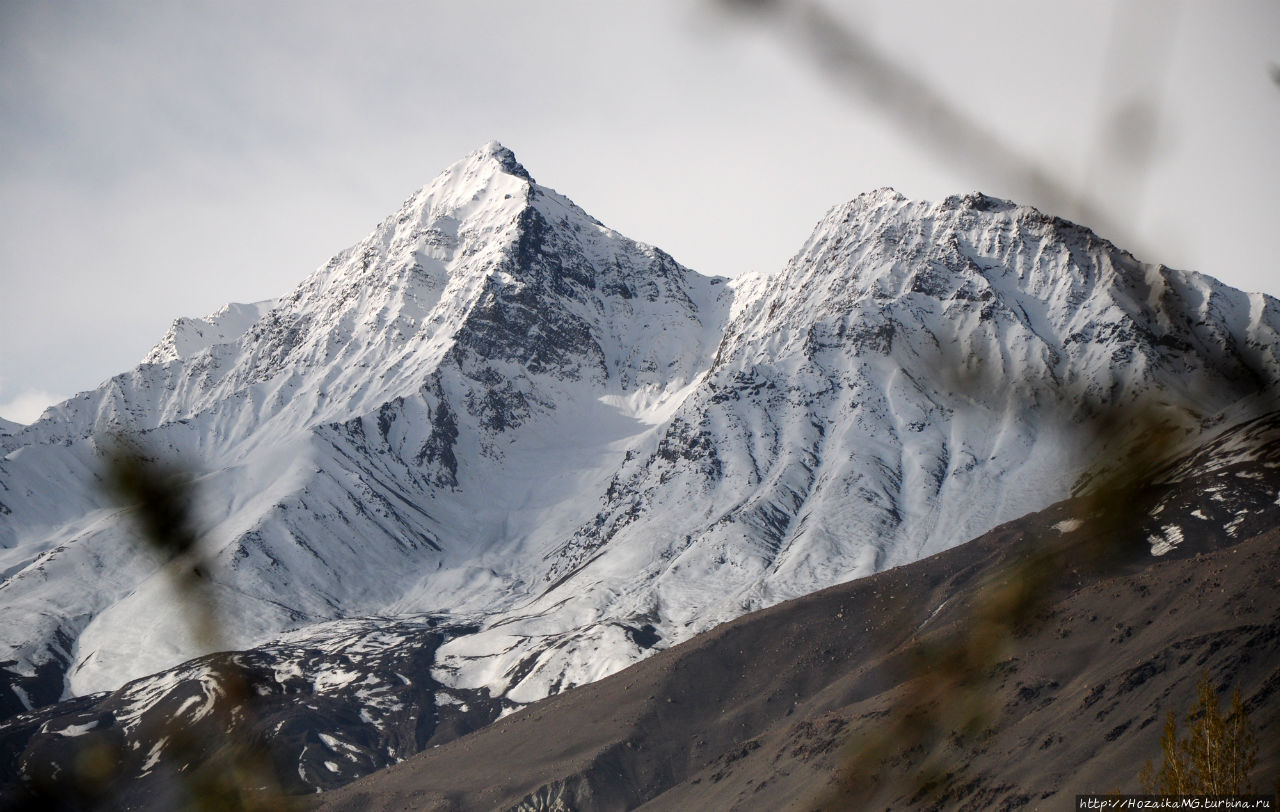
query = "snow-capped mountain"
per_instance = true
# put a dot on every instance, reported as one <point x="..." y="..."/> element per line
<point x="497" y="412"/>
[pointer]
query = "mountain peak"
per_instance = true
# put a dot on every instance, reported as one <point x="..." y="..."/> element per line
<point x="882" y="193"/>
<point x="979" y="201"/>
<point x="486" y="178"/>
<point x="504" y="157"/>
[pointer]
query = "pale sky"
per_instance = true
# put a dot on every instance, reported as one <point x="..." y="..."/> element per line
<point x="161" y="159"/>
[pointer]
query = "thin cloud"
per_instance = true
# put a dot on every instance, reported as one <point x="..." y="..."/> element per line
<point x="26" y="406"/>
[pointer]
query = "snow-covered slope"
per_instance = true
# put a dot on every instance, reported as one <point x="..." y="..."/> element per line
<point x="188" y="336"/>
<point x="497" y="411"/>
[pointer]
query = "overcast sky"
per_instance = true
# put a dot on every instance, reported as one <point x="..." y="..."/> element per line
<point x="160" y="159"/>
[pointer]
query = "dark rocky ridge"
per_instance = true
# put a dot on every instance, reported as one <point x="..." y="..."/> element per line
<point x="355" y="697"/>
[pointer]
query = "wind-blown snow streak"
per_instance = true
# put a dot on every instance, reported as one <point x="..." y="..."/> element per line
<point x="498" y="410"/>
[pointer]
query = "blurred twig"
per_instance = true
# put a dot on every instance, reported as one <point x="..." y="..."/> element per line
<point x="159" y="496"/>
<point x="852" y="62"/>
<point x="215" y="761"/>
<point x="855" y="64"/>
<point x="947" y="700"/>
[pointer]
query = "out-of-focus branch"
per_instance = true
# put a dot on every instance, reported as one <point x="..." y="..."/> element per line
<point x="215" y="761"/>
<point x="856" y="65"/>
<point x="158" y="496"/>
<point x="234" y="771"/>
<point x="852" y="62"/>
